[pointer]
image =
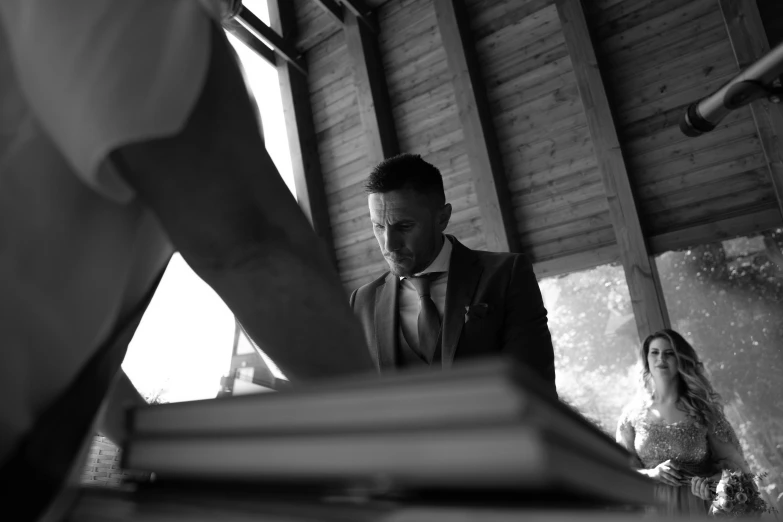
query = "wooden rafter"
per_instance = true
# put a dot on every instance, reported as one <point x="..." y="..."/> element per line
<point x="371" y="91"/>
<point x="749" y="42"/>
<point x="337" y="12"/>
<point x="295" y="93"/>
<point x="486" y="163"/>
<point x="282" y="47"/>
<point x="640" y="272"/>
<point x="251" y="40"/>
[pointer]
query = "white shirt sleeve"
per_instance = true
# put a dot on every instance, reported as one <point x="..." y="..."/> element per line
<point x="99" y="74"/>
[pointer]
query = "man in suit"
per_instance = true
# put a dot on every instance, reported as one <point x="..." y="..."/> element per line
<point x="442" y="302"/>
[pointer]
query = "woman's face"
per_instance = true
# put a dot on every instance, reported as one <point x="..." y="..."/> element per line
<point x="661" y="360"/>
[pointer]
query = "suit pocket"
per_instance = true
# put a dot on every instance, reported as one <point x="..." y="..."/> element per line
<point x="480" y="336"/>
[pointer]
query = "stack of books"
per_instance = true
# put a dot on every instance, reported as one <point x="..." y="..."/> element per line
<point x="483" y="433"/>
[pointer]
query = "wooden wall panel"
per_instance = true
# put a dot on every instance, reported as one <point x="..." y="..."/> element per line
<point x="315" y="25"/>
<point x="341" y="148"/>
<point x="478" y="128"/>
<point x="661" y="56"/>
<point x="656" y="56"/>
<point x="556" y="188"/>
<point x="424" y="108"/>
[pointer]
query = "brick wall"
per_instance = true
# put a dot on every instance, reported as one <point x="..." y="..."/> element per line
<point x="103" y="464"/>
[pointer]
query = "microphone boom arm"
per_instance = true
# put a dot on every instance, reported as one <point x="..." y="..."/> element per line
<point x="756" y="81"/>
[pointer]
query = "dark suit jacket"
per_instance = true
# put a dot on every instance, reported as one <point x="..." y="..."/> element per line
<point x="493" y="306"/>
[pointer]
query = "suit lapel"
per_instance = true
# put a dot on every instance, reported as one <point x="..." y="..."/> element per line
<point x="387" y="322"/>
<point x="464" y="274"/>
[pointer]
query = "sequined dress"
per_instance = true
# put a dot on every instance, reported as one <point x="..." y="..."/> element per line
<point x="683" y="442"/>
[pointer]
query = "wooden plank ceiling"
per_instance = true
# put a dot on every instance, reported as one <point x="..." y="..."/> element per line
<point x="650" y="57"/>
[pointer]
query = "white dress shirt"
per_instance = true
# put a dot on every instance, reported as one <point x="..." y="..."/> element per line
<point x="410" y="303"/>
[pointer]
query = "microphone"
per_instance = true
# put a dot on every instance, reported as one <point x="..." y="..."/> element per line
<point x="751" y="84"/>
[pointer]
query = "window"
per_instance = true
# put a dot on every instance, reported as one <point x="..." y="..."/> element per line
<point x="183" y="345"/>
<point x="726" y="298"/>
<point x="596" y="341"/>
<point x="264" y="83"/>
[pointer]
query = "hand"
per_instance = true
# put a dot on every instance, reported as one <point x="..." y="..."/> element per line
<point x="666" y="472"/>
<point x="700" y="487"/>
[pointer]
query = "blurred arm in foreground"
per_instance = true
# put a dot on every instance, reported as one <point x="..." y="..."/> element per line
<point x="127" y="132"/>
<point x="223" y="204"/>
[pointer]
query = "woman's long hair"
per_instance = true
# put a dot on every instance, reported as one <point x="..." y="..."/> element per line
<point x="697" y="397"/>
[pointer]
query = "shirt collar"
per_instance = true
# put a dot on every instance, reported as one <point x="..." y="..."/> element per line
<point x="441" y="263"/>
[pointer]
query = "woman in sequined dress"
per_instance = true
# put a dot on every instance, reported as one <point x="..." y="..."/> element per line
<point x="676" y="428"/>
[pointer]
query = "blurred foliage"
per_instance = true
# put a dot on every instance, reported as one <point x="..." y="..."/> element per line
<point x="726" y="298"/>
<point x="156" y="396"/>
<point x="595" y="339"/>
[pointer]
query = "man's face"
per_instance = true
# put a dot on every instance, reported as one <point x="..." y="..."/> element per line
<point x="408" y="227"/>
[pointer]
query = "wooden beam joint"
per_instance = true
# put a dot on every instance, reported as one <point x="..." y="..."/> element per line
<point x="363" y="13"/>
<point x="333" y="10"/>
<point x="282" y="47"/>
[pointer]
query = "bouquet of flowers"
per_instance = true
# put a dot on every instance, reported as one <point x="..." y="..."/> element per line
<point x="736" y="495"/>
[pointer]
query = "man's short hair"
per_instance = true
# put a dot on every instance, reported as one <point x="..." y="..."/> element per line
<point x="407" y="171"/>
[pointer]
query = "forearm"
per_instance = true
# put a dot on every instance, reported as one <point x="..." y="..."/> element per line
<point x="225" y="208"/>
<point x="292" y="305"/>
<point x="246" y="237"/>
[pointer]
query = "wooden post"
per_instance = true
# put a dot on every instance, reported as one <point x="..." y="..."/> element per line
<point x="640" y="272"/>
<point x="371" y="92"/>
<point x="749" y="42"/>
<point x="486" y="165"/>
<point x="308" y="178"/>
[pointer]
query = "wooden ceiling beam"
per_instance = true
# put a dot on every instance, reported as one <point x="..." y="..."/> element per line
<point x="728" y="228"/>
<point x="302" y="140"/>
<point x="337" y="12"/>
<point x="486" y="165"/>
<point x="640" y="271"/>
<point x="371" y="92"/>
<point x="286" y="50"/>
<point x="749" y="42"/>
